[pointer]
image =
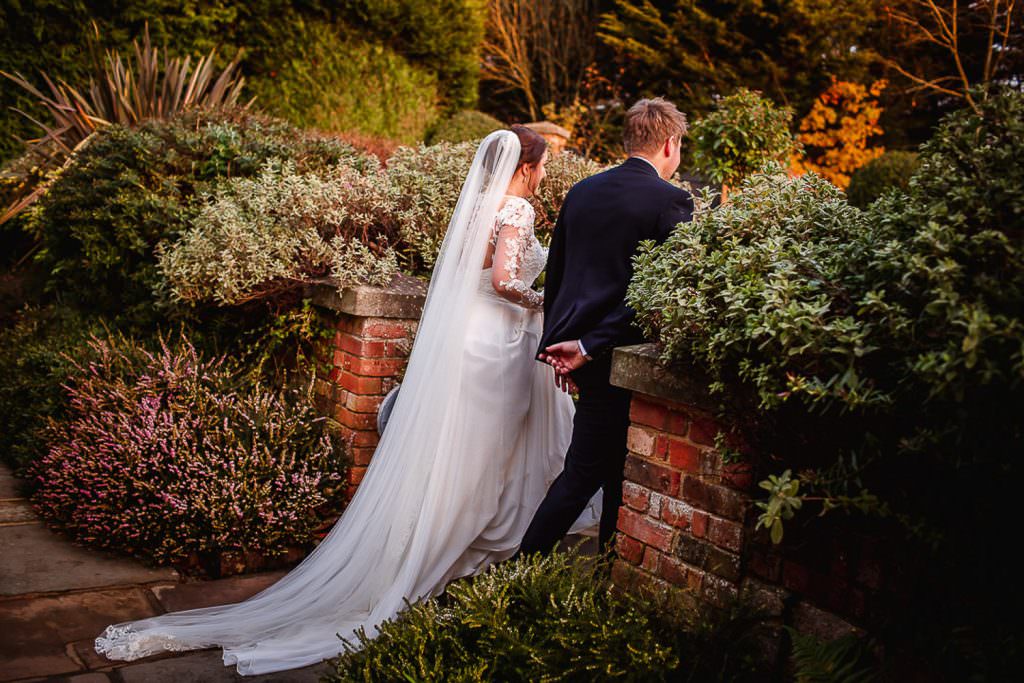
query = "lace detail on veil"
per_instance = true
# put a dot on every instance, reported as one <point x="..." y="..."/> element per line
<point x="125" y="643"/>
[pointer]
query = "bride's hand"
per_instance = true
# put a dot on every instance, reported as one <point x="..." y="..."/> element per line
<point x="565" y="383"/>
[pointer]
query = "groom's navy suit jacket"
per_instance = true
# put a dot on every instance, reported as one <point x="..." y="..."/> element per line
<point x="602" y="221"/>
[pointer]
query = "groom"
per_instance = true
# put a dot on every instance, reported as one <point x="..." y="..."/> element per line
<point x="589" y="267"/>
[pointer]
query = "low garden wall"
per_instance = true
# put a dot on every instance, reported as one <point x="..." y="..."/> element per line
<point x="365" y="358"/>
<point x="686" y="527"/>
<point x="687" y="524"/>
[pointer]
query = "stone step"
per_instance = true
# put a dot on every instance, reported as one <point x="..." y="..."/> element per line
<point x="34" y="559"/>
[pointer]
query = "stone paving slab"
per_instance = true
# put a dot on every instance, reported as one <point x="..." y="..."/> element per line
<point x="17" y="511"/>
<point x="36" y="629"/>
<point x="207" y="666"/>
<point x="179" y="596"/>
<point x="34" y="559"/>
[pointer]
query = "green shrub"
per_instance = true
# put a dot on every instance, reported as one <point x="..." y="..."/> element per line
<point x="418" y="49"/>
<point x="875" y="178"/>
<point x="34" y="364"/>
<point x="424" y="184"/>
<point x="879" y="355"/>
<point x="548" y="619"/>
<point x="443" y="35"/>
<point x="167" y="454"/>
<point x="258" y="237"/>
<point x="464" y="126"/>
<point x="323" y="75"/>
<point x="129" y="190"/>
<point x="741" y="136"/>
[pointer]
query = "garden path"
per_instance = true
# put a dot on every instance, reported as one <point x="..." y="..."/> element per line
<point x="56" y="597"/>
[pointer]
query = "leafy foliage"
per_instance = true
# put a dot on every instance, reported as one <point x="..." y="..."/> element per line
<point x="256" y="237"/>
<point x="878" y="354"/>
<point x="464" y="126"/>
<point x="553" y="618"/>
<point x="692" y="50"/>
<point x="443" y="35"/>
<point x="165" y="454"/>
<point x="34" y="363"/>
<point x="843" y="660"/>
<point x="892" y="169"/>
<point x="324" y="75"/>
<point x="129" y="190"/>
<point x="744" y="134"/>
<point x="835" y="133"/>
<point x="128" y="91"/>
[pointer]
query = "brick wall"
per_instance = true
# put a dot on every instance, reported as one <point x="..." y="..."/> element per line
<point x="374" y="328"/>
<point x="686" y="526"/>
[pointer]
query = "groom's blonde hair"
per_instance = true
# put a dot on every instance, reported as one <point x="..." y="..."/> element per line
<point x="649" y="123"/>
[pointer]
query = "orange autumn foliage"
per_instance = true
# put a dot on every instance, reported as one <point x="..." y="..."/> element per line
<point x="835" y="133"/>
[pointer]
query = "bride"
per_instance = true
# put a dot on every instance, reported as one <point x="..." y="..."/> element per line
<point x="476" y="436"/>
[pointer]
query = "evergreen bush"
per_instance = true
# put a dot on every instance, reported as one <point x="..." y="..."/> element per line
<point x="34" y="362"/>
<point x="875" y="178"/>
<point x="877" y="355"/>
<point x="745" y="133"/>
<point x="547" y="619"/>
<point x="464" y="126"/>
<point x="130" y="190"/>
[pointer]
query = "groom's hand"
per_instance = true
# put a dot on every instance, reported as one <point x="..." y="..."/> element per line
<point x="564" y="357"/>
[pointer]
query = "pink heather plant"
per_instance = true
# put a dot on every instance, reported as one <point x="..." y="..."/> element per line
<point x="164" y="455"/>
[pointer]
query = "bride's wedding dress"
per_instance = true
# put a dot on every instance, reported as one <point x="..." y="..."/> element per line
<point x="476" y="436"/>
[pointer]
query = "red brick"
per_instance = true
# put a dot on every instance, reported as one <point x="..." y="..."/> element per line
<point x="661" y="448"/>
<point x="364" y="386"/>
<point x="650" y="561"/>
<point x="725" y="534"/>
<point x="699" y="524"/>
<point x="652" y="475"/>
<point x="338" y="358"/>
<point x="676" y="513"/>
<point x="355" y="475"/>
<point x="362" y="455"/>
<point x="738" y="476"/>
<point x="364" y="438"/>
<point x="373" y="348"/>
<point x="629" y="549"/>
<point x="703" y="431"/>
<point x="673" y="571"/>
<point x="385" y="329"/>
<point x="648" y="413"/>
<point x="645" y="529"/>
<point x="718" y="500"/>
<point x="640" y="441"/>
<point x="678" y="423"/>
<point x="635" y="496"/>
<point x="373" y="367"/>
<point x="334" y="375"/>
<point x="684" y="456"/>
<point x="360" y="421"/>
<point x="363" y="404"/>
<point x="711" y="463"/>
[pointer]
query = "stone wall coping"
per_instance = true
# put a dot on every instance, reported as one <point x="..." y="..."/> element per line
<point x="638" y="369"/>
<point x="402" y="298"/>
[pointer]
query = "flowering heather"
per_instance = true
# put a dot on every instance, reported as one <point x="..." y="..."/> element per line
<point x="163" y="455"/>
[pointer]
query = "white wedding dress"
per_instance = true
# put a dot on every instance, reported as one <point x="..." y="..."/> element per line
<point x="476" y="436"/>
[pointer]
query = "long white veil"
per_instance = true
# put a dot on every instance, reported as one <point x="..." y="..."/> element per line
<point x="385" y="547"/>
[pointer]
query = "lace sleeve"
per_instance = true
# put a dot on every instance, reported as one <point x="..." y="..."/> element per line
<point x="514" y="231"/>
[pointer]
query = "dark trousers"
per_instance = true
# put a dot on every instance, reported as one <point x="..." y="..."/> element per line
<point x="595" y="459"/>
